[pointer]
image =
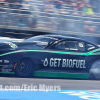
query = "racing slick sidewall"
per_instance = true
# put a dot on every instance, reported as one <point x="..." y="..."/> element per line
<point x="95" y="70"/>
<point x="28" y="66"/>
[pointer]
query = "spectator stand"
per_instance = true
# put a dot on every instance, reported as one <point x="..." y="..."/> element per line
<point x="61" y="16"/>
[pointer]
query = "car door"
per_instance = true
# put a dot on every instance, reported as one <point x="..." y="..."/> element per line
<point x="68" y="54"/>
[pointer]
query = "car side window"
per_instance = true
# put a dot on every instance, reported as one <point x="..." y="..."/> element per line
<point x="90" y="47"/>
<point x="71" y="46"/>
<point x="60" y="46"/>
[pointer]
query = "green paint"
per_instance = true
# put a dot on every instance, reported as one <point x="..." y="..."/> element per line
<point x="75" y="53"/>
<point x="60" y="75"/>
<point x="95" y="54"/>
<point x="72" y="53"/>
<point x="55" y="74"/>
<point x="94" y="50"/>
<point x="7" y="73"/>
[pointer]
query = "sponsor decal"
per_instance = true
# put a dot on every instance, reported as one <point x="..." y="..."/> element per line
<point x="68" y="63"/>
<point x="80" y="44"/>
<point x="4" y="61"/>
<point x="12" y="45"/>
<point x="6" y="70"/>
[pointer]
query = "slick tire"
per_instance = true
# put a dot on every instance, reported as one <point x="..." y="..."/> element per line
<point x="94" y="72"/>
<point x="24" y="68"/>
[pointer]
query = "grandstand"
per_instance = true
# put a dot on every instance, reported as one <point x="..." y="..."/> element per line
<point x="54" y="16"/>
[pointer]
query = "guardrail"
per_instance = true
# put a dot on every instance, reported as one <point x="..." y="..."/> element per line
<point x="59" y="22"/>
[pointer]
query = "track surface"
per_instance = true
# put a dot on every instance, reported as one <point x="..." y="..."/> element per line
<point x="66" y="84"/>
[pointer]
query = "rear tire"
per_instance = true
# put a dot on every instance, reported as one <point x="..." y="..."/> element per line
<point x="24" y="68"/>
<point x="94" y="72"/>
